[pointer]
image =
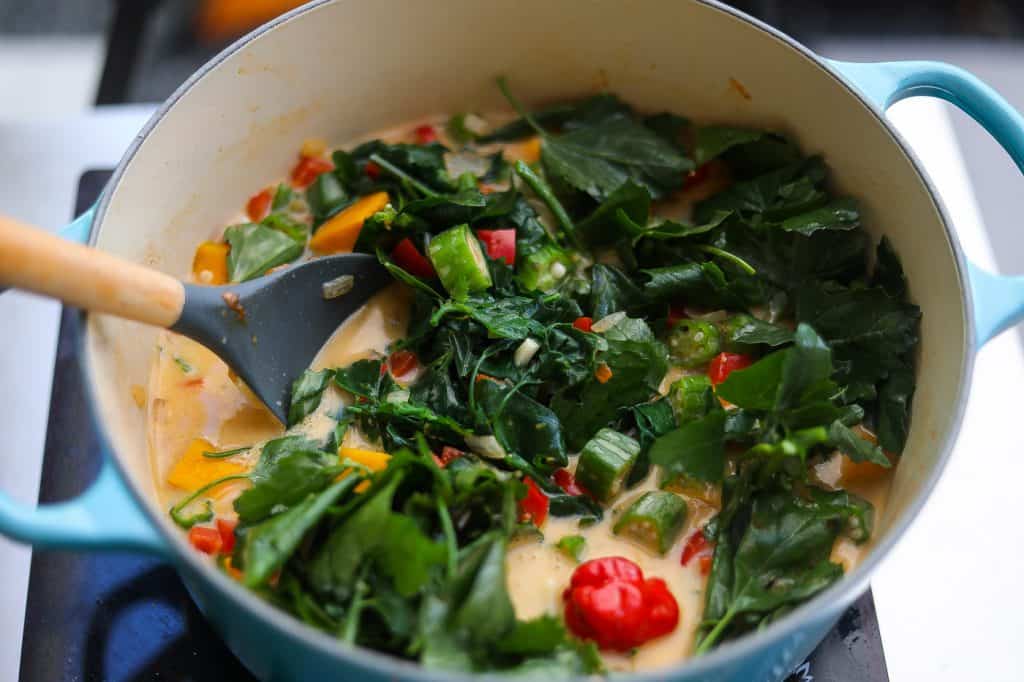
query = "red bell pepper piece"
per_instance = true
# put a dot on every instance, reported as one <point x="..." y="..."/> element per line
<point x="676" y="314"/>
<point x="697" y="176"/>
<point x="372" y="170"/>
<point x="583" y="323"/>
<point x="724" y="364"/>
<point x="307" y="169"/>
<point x="567" y="482"/>
<point x="227" y="535"/>
<point x="534" y="507"/>
<point x="609" y="601"/>
<point x="425" y="134"/>
<point x="259" y="206"/>
<point x="401" y="362"/>
<point x="205" y="539"/>
<point x="698" y="547"/>
<point x="447" y="456"/>
<point x="500" y="244"/>
<point x="408" y="257"/>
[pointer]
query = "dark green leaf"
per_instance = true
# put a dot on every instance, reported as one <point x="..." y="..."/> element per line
<point x="602" y="227"/>
<point x="268" y="544"/>
<point x="894" y="396"/>
<point x="840" y="214"/>
<point x="289" y="469"/>
<point x="712" y="141"/>
<point x="599" y="159"/>
<point x="307" y="392"/>
<point x="856" y="448"/>
<point x="889" y="271"/>
<point x="522" y="425"/>
<point x="693" y="451"/>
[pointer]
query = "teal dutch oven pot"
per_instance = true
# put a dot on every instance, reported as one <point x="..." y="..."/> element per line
<point x="341" y="68"/>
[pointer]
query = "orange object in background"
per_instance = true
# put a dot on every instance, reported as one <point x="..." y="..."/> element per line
<point x="221" y="20"/>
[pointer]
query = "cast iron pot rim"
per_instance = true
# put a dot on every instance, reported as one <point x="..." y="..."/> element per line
<point x="738" y="648"/>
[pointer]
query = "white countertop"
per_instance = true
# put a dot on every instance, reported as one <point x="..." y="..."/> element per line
<point x="949" y="605"/>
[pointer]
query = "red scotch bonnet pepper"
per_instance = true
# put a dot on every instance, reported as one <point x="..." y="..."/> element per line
<point x="609" y="601"/>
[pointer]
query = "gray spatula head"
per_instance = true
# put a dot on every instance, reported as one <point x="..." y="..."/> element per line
<point x="268" y="330"/>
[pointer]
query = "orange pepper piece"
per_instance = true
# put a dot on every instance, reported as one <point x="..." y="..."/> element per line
<point x="210" y="265"/>
<point x="192" y="471"/>
<point x="340" y="232"/>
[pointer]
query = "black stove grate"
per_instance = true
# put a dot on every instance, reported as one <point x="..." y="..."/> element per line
<point x="127" y="617"/>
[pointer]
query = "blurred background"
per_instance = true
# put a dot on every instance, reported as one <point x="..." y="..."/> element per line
<point x="59" y="58"/>
<point x="86" y="52"/>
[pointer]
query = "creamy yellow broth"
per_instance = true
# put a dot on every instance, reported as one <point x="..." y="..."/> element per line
<point x="193" y="395"/>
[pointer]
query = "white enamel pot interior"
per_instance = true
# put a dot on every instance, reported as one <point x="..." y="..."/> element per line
<point x="339" y="69"/>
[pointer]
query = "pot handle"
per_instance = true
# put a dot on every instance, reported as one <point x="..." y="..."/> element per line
<point x="998" y="301"/>
<point x="105" y="516"/>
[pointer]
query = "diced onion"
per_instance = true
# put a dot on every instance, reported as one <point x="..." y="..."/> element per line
<point x="397" y="397"/>
<point x="486" y="446"/>
<point x="558" y="270"/>
<point x="339" y="286"/>
<point x="525" y="352"/>
<point x="457" y="163"/>
<point x="475" y="124"/>
<point x="607" y="322"/>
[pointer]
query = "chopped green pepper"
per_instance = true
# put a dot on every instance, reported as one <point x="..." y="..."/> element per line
<point x="572" y="546"/>
<point x="460" y="262"/>
<point x="544" y="268"/>
<point x="692" y="397"/>
<point x="694" y="342"/>
<point x="605" y="462"/>
<point x="326" y="196"/>
<point x="654" y="520"/>
<point x="728" y="328"/>
<point x="282" y="197"/>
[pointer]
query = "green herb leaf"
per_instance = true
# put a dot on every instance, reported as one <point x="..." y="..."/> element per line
<point x="855" y="447"/>
<point x="693" y="451"/>
<point x="256" y="248"/>
<point x="572" y="546"/>
<point x="307" y="391"/>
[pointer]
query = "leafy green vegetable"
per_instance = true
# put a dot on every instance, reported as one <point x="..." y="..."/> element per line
<point x="781" y="558"/>
<point x="638" y="363"/>
<point x="268" y="544"/>
<point x="307" y="392"/>
<point x="256" y="248"/>
<point x="522" y="425"/>
<point x="693" y="451"/>
<point x="390" y="542"/>
<point x="289" y="469"/>
<point x="599" y="158"/>
<point x="512" y="377"/>
<point x="326" y="196"/>
<point x="855" y="447"/>
<point x="712" y="141"/>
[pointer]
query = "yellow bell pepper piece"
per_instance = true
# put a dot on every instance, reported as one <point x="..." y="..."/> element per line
<point x="192" y="471"/>
<point x="529" y="151"/>
<point x="340" y="232"/>
<point x="371" y="459"/>
<point x="210" y="265"/>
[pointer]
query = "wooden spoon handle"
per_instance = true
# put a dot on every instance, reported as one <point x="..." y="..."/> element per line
<point x="40" y="262"/>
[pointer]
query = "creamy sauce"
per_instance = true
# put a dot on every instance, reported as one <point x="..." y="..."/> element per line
<point x="193" y="395"/>
<point x="538" y="573"/>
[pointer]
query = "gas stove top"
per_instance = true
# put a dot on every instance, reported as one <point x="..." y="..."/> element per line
<point x="122" y="617"/>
